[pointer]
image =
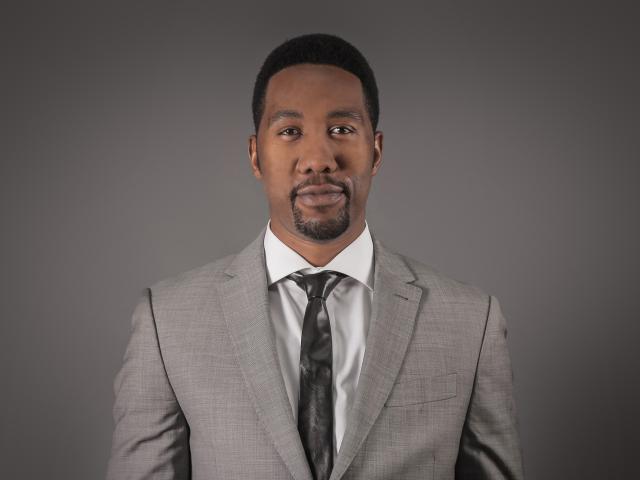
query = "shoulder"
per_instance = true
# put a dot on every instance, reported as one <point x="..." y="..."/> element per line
<point x="188" y="287"/>
<point x="464" y="307"/>
<point x="195" y="276"/>
<point x="441" y="287"/>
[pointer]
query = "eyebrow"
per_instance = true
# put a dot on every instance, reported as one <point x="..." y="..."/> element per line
<point x="341" y="113"/>
<point x="281" y="114"/>
<point x="345" y="113"/>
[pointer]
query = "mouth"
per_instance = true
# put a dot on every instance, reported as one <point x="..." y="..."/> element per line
<point x="324" y="195"/>
<point x="326" y="199"/>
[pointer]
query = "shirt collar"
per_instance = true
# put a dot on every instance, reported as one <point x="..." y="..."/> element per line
<point x="355" y="260"/>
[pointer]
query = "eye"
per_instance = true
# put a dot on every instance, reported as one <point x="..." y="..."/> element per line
<point x="289" y="132"/>
<point x="341" y="130"/>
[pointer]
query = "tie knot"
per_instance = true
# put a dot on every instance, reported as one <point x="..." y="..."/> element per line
<point x="317" y="285"/>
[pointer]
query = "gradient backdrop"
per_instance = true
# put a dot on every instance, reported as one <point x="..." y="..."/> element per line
<point x="510" y="161"/>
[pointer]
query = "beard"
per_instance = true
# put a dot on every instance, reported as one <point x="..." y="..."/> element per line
<point x="322" y="230"/>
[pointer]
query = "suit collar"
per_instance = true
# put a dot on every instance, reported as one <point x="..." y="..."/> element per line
<point x="244" y="301"/>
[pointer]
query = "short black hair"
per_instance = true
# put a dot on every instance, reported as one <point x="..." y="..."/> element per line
<point x="317" y="48"/>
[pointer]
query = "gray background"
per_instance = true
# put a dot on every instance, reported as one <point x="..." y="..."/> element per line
<point x="510" y="161"/>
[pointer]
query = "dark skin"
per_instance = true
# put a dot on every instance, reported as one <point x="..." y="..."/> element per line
<point x="315" y="132"/>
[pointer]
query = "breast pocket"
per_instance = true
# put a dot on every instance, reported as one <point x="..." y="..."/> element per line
<point x="415" y="391"/>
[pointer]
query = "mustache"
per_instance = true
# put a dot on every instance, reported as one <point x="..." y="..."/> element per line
<point x="320" y="180"/>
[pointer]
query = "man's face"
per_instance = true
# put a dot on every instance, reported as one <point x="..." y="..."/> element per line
<point x="316" y="152"/>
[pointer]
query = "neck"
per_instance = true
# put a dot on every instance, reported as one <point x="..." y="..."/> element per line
<point x="317" y="253"/>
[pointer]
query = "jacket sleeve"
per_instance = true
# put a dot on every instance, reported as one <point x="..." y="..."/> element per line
<point x="151" y="436"/>
<point x="489" y="445"/>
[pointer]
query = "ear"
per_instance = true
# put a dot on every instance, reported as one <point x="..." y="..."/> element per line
<point x="253" y="156"/>
<point x="377" y="152"/>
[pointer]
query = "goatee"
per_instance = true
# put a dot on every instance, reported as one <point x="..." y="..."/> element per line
<point x="322" y="230"/>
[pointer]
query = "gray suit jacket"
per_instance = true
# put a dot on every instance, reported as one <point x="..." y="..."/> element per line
<point x="201" y="396"/>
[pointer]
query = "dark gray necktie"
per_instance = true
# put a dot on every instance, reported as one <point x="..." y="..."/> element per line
<point x="315" y="405"/>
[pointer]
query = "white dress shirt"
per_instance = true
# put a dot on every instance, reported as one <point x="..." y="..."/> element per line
<point x="349" y="308"/>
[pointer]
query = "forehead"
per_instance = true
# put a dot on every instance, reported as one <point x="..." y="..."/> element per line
<point x="313" y="86"/>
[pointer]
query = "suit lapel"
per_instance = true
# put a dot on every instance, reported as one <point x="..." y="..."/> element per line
<point x="245" y="305"/>
<point x="244" y="300"/>
<point x="395" y="305"/>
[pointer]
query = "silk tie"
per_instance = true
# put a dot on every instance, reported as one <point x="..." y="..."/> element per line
<point x="315" y="405"/>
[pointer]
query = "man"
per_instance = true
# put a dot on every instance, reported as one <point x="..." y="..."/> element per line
<point x="316" y="352"/>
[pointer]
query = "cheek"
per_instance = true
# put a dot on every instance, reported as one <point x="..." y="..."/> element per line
<point x="276" y="189"/>
<point x="360" y="189"/>
<point x="276" y="171"/>
<point x="277" y="185"/>
<point x="272" y="157"/>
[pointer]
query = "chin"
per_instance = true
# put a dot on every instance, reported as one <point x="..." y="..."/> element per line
<point x="321" y="229"/>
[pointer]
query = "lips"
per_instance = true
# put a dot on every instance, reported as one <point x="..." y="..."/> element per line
<point x="320" y="195"/>
<point x="325" y="188"/>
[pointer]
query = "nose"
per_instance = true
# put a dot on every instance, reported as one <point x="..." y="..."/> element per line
<point x="316" y="156"/>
